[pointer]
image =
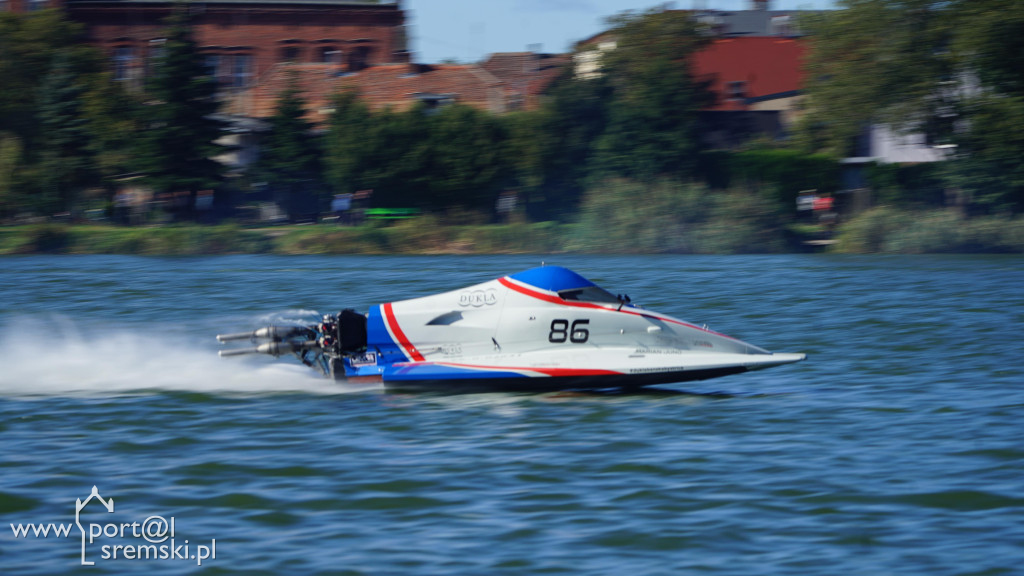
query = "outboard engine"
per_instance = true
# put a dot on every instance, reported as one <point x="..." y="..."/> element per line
<point x="323" y="345"/>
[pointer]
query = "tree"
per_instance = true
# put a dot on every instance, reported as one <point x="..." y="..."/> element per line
<point x="398" y="158"/>
<point x="990" y="44"/>
<point x="112" y="116"/>
<point x="652" y="117"/>
<point x="950" y="69"/>
<point x="290" y="154"/>
<point x="881" y="61"/>
<point x="469" y="160"/>
<point x="346" y="145"/>
<point x="435" y="160"/>
<point x="10" y="160"/>
<point x="28" y="44"/>
<point x="41" y="126"/>
<point x="67" y="162"/>
<point x="553" y="149"/>
<point x="178" y="143"/>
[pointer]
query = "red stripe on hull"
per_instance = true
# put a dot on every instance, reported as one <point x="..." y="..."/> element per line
<point x="396" y="330"/>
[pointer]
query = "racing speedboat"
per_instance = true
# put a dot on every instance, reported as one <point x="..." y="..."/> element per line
<point x="543" y="329"/>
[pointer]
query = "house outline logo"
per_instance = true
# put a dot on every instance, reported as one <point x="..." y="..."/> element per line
<point x="79" y="506"/>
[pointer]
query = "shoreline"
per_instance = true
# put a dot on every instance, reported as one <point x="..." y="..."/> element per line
<point x="877" y="231"/>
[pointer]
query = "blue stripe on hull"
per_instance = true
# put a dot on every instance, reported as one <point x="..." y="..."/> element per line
<point x="440" y="372"/>
<point x="379" y="340"/>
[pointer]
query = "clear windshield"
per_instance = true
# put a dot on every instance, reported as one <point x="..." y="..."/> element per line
<point x="589" y="294"/>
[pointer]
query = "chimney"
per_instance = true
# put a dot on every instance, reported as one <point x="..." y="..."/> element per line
<point x="759" y="5"/>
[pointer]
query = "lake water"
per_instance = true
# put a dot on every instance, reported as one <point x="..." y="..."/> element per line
<point x="896" y="448"/>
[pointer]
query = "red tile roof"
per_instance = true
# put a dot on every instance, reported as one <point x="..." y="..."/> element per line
<point x="393" y="85"/>
<point x="768" y="65"/>
<point x="526" y="73"/>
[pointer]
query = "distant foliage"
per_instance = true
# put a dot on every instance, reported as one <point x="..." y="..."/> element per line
<point x="290" y="156"/>
<point x="784" y="173"/>
<point x="454" y="157"/>
<point x="892" y="230"/>
<point x="949" y="69"/>
<point x="652" y="113"/>
<point x="67" y="160"/>
<point x="176" y="148"/>
<point x="624" y="216"/>
<point x="55" y="141"/>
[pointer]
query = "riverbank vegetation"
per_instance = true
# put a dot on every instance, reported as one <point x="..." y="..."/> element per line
<point x="613" y="223"/>
<point x="610" y="163"/>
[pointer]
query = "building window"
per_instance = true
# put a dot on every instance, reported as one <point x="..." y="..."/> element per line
<point x="290" y="54"/>
<point x="212" y="64"/>
<point x="124" y="61"/>
<point x="358" y="59"/>
<point x="782" y="26"/>
<point x="736" y="90"/>
<point x="241" y="70"/>
<point x="156" y="55"/>
<point x="34" y="5"/>
<point x="431" y="102"/>
<point x="330" y="55"/>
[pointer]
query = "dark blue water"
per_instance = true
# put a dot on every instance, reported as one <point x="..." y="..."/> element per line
<point x="897" y="448"/>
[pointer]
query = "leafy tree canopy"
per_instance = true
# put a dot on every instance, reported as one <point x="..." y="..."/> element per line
<point x="652" y="115"/>
<point x="951" y="69"/>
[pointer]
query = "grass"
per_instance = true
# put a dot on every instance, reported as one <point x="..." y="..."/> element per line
<point x="619" y="219"/>
<point x="900" y="231"/>
<point x="422" y="235"/>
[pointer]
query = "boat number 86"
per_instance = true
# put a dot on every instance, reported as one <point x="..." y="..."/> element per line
<point x="561" y="331"/>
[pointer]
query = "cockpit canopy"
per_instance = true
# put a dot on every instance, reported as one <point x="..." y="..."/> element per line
<point x="568" y="284"/>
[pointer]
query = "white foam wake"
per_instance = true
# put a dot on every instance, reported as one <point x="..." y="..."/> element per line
<point x="54" y="357"/>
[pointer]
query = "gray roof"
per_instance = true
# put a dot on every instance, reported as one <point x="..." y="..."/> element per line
<point x="754" y="22"/>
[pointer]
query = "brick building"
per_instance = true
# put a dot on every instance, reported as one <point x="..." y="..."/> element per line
<point x="253" y="47"/>
<point x="27" y="5"/>
<point x="244" y="41"/>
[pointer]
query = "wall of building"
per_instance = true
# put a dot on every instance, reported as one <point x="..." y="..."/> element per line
<point x="245" y="40"/>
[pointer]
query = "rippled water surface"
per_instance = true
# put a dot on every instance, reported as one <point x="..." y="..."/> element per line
<point x="896" y="448"/>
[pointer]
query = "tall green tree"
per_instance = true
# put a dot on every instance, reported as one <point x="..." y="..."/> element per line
<point x="290" y="155"/>
<point x="67" y="161"/>
<point x="553" y="149"/>
<point x="469" y="166"/>
<point x="28" y="45"/>
<point x="652" y="118"/>
<point x="398" y="158"/>
<point x="33" y="117"/>
<point x="346" y="142"/>
<point x="178" y="144"/>
<point x="112" y="115"/>
<point x="10" y="162"/>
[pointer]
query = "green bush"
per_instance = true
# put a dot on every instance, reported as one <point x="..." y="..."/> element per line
<point x="623" y="216"/>
<point x="892" y="230"/>
<point x="784" y="173"/>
